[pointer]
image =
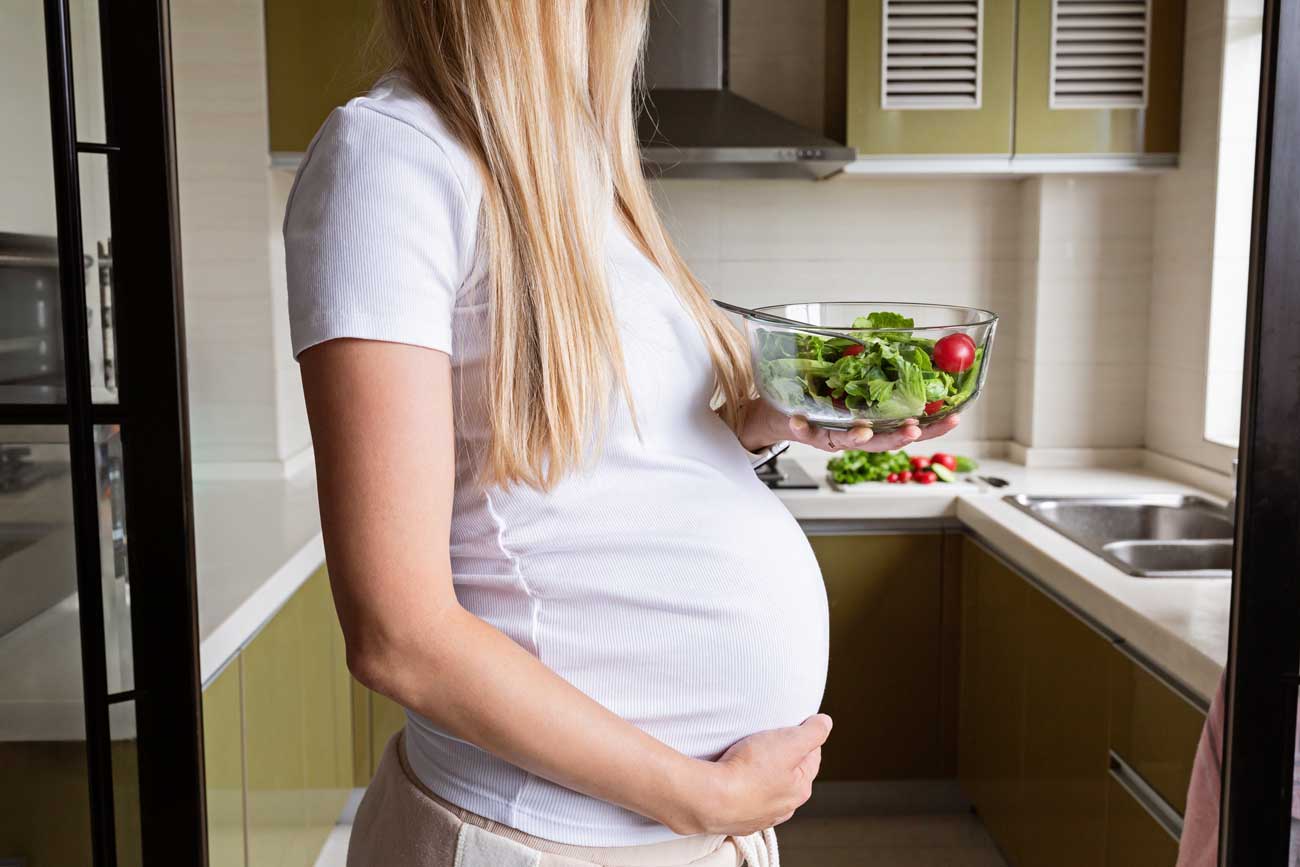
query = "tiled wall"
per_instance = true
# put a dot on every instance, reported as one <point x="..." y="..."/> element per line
<point x="1184" y="256"/>
<point x="245" y="414"/>
<point x="1065" y="260"/>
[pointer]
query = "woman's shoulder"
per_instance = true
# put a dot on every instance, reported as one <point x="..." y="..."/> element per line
<point x="392" y="135"/>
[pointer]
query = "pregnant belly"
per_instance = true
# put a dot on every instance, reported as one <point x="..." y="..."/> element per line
<point x="695" y="641"/>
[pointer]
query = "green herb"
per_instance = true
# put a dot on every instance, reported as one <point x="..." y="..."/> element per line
<point x="853" y="466"/>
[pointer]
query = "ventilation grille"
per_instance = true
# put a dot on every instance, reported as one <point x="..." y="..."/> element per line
<point x="930" y="53"/>
<point x="1100" y="52"/>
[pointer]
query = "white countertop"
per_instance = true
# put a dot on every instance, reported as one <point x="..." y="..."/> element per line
<point x="258" y="541"/>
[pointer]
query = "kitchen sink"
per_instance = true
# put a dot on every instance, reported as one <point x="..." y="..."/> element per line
<point x="1149" y="535"/>
<point x="1184" y="558"/>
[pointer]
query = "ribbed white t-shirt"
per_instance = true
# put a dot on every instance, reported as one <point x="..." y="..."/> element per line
<point x="664" y="581"/>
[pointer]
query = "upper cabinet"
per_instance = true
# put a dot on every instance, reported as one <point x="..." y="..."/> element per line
<point x="1099" y="77"/>
<point x="1017" y="79"/>
<point x="318" y="56"/>
<point x="930" y="78"/>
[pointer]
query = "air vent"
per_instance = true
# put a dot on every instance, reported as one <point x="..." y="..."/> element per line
<point x="930" y="54"/>
<point x="1099" y="53"/>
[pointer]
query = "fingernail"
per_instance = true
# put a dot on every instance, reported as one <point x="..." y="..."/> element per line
<point x="798" y="425"/>
<point x="913" y="433"/>
<point x="862" y="435"/>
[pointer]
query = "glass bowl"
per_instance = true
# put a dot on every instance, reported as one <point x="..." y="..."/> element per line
<point x="874" y="362"/>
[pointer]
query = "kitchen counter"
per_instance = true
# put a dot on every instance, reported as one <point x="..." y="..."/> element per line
<point x="258" y="541"/>
<point x="1180" y="624"/>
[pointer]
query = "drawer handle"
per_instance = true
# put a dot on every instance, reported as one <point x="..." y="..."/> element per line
<point x="1148" y="798"/>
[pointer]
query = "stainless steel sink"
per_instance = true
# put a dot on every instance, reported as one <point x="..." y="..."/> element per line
<point x="1150" y="535"/>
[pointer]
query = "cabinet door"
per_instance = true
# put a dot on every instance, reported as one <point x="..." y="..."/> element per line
<point x="1089" y="109"/>
<point x="319" y="54"/>
<point x="1133" y="837"/>
<point x="994" y="601"/>
<point x="1153" y="729"/>
<point x="936" y="80"/>
<point x="884" y="686"/>
<point x="1066" y="756"/>
<point x="223" y="762"/>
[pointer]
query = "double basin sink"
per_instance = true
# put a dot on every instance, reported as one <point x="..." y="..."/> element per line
<point x="1148" y="536"/>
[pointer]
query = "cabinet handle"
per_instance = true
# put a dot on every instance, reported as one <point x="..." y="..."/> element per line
<point x="1148" y="798"/>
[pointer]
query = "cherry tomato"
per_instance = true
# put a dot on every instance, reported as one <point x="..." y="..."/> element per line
<point x="905" y="476"/>
<point x="944" y="459"/>
<point x="933" y="406"/>
<point x="954" y="353"/>
<point x="920" y="463"/>
<point x="855" y="349"/>
<point x="892" y="478"/>
<point x="926" y="477"/>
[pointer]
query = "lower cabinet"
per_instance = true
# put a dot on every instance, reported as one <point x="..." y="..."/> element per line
<point x="278" y="738"/>
<point x="891" y="684"/>
<point x="1045" y="701"/>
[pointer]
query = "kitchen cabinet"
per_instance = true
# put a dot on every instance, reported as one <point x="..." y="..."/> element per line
<point x="1065" y="107"/>
<point x="900" y="103"/>
<point x="279" y="739"/>
<point x="893" y="634"/>
<point x="1154" y="729"/>
<point x="1046" y="698"/>
<point x="319" y="55"/>
<point x="990" y="763"/>
<point x="1065" y="738"/>
<point x="1133" y="837"/>
<point x="223" y="764"/>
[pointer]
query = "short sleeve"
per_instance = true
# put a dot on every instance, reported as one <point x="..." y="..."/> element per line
<point x="378" y="235"/>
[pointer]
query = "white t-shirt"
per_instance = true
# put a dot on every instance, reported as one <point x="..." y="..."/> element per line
<point x="665" y="581"/>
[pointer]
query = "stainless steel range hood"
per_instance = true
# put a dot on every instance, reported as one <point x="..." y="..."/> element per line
<point x="694" y="126"/>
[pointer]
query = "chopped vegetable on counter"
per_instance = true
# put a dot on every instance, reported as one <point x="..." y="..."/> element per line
<point x="897" y="468"/>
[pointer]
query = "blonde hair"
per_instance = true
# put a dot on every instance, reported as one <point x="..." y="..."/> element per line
<point x="541" y="93"/>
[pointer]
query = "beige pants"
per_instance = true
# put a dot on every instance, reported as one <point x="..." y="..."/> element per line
<point x="400" y="823"/>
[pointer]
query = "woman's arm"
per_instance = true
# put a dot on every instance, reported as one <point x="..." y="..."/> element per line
<point x="381" y="423"/>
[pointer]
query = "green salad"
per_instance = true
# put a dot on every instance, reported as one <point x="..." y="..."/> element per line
<point x="896" y="375"/>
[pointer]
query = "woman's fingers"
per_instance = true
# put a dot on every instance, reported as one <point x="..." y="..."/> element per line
<point x="860" y="436"/>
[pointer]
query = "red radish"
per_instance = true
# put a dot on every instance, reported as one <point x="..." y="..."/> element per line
<point x="944" y="459"/>
<point x="926" y="478"/>
<point x="905" y="476"/>
<point x="933" y="406"/>
<point x="954" y="353"/>
<point x="855" y="349"/>
<point x="892" y="478"/>
<point x="838" y="403"/>
<point x="920" y="463"/>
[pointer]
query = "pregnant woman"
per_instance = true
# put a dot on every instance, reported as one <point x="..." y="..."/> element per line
<point x="533" y="438"/>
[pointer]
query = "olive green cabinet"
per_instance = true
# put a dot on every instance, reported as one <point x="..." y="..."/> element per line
<point x="1099" y="78"/>
<point x="1020" y="78"/>
<point x="891" y="684"/>
<point x="319" y="55"/>
<point x="1048" y="705"/>
<point x="930" y="79"/>
<point x="278" y="738"/>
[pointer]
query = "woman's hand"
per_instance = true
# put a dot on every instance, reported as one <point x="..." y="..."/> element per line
<point x="761" y="780"/>
<point x="762" y="425"/>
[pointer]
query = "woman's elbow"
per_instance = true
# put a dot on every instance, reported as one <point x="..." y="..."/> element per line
<point x="378" y="667"/>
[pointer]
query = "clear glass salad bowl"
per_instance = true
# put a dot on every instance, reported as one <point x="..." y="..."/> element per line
<point x="881" y="363"/>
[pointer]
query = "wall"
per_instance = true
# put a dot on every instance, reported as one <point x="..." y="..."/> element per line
<point x="945" y="241"/>
<point x="245" y="400"/>
<point x="1183" y="266"/>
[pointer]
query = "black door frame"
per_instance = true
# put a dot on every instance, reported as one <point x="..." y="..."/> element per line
<point x="153" y="417"/>
<point x="1264" y="644"/>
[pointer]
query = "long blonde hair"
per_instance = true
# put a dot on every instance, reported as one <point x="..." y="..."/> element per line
<point x="541" y="93"/>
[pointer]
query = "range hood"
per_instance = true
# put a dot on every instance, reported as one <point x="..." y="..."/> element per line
<point x="694" y="126"/>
